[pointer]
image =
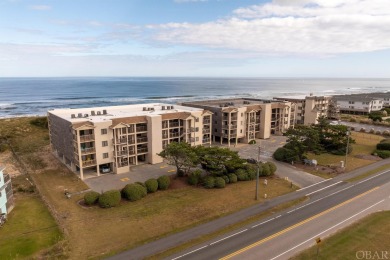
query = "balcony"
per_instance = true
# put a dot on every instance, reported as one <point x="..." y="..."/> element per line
<point x="257" y="128"/>
<point x="191" y="139"/>
<point x="89" y="163"/>
<point x="88" y="150"/>
<point x="206" y="121"/>
<point x="142" y="150"/>
<point x="174" y="134"/>
<point x="164" y="125"/>
<point x="131" y="141"/>
<point x="141" y="128"/>
<point x="120" y="141"/>
<point x="132" y="152"/>
<point x="206" y="130"/>
<point x="122" y="153"/>
<point x="174" y="124"/>
<point x="87" y="138"/>
<point x="165" y="136"/>
<point x="192" y="129"/>
<point x="142" y="139"/>
<point x="7" y="178"/>
<point x="206" y="140"/>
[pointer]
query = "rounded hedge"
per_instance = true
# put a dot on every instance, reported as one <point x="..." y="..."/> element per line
<point x="272" y="167"/>
<point x="110" y="199"/>
<point x="163" y="182"/>
<point x="219" y="183"/>
<point x="226" y="179"/>
<point x="383" y="146"/>
<point x="140" y="183"/>
<point x="193" y="179"/>
<point x="242" y="175"/>
<point x="266" y="170"/>
<point x="91" y="197"/>
<point x="151" y="185"/>
<point x="134" y="192"/>
<point x="209" y="182"/>
<point x="232" y="178"/>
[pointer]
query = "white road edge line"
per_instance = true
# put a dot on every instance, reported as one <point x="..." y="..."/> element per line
<point x="323" y="188"/>
<point x="263" y="222"/>
<point x="228" y="237"/>
<point x="372" y="177"/>
<point x="190" y="252"/>
<point x="312" y="238"/>
<point x="313" y="184"/>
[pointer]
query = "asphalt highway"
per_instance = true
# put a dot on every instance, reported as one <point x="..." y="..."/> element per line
<point x="323" y="194"/>
<point x="325" y="198"/>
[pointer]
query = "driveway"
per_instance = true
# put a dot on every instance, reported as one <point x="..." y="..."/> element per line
<point x="139" y="173"/>
<point x="267" y="148"/>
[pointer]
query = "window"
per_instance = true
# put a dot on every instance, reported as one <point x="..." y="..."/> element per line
<point x="105" y="155"/>
<point x="197" y="139"/>
<point x="215" y="130"/>
<point x="242" y="114"/>
<point x="104" y="131"/>
<point x="197" y="119"/>
<point x="105" y="143"/>
<point x="241" y="131"/>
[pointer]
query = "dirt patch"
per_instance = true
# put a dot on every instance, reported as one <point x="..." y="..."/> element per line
<point x="178" y="182"/>
<point x="327" y="170"/>
<point x="368" y="157"/>
<point x="9" y="162"/>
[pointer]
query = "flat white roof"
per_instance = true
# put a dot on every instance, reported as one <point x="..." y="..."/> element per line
<point x="119" y="111"/>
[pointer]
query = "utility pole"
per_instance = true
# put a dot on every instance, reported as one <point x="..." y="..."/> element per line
<point x="346" y="149"/>
<point x="257" y="175"/>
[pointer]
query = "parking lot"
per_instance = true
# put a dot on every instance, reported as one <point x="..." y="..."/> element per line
<point x="141" y="173"/>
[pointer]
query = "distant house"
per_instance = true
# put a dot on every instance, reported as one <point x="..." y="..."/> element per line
<point x="360" y="104"/>
<point x="6" y="195"/>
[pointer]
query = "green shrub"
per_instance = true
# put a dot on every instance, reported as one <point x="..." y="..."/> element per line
<point x="194" y="177"/>
<point x="219" y="183"/>
<point x="163" y="182"/>
<point x="382" y="153"/>
<point x="134" y="192"/>
<point x="242" y="175"/>
<point x="209" y="182"/>
<point x="383" y="146"/>
<point x="110" y="199"/>
<point x="226" y="178"/>
<point x="40" y="122"/>
<point x="272" y="167"/>
<point x="232" y="178"/>
<point x="252" y="142"/>
<point x="91" y="197"/>
<point x="151" y="185"/>
<point x="285" y="155"/>
<point x="266" y="170"/>
<point x="141" y="183"/>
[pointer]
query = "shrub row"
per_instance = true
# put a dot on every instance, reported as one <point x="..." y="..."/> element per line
<point x="131" y="192"/>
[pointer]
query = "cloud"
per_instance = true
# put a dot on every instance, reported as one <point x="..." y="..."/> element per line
<point x="40" y="7"/>
<point x="303" y="27"/>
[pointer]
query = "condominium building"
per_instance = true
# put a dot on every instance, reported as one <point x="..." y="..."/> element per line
<point x="359" y="103"/>
<point x="91" y="141"/>
<point x="306" y="110"/>
<point x="6" y="195"/>
<point x="244" y="119"/>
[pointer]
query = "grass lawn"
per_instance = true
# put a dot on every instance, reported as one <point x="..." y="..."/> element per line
<point x="365" y="145"/>
<point x="29" y="229"/>
<point x="369" y="234"/>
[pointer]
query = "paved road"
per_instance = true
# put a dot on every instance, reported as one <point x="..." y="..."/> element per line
<point x="261" y="240"/>
<point x="187" y="235"/>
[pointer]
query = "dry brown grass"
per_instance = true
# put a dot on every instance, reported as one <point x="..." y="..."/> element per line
<point x="95" y="232"/>
<point x="364" y="146"/>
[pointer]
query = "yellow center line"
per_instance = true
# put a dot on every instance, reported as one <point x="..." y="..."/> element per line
<point x="296" y="225"/>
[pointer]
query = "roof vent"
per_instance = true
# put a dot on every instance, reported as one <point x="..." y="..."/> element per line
<point x="80" y="115"/>
<point x="99" y="113"/>
<point x="92" y="113"/>
<point x="104" y="112"/>
<point x="72" y="116"/>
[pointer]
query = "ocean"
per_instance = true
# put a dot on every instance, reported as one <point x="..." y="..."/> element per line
<point x="35" y="96"/>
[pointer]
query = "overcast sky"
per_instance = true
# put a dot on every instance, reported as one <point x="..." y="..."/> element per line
<point x="218" y="38"/>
